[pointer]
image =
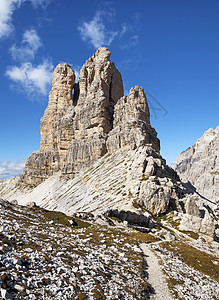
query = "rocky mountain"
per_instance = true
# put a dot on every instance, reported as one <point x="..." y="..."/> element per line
<point x="83" y="120"/>
<point x="199" y="164"/>
<point x="98" y="200"/>
<point x="99" y="152"/>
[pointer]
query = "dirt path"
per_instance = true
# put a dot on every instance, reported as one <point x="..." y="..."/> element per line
<point x="155" y="275"/>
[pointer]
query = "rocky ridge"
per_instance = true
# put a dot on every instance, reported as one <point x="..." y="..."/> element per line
<point x="199" y="164"/>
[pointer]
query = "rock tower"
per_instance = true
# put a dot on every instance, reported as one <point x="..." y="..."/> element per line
<point x="83" y="121"/>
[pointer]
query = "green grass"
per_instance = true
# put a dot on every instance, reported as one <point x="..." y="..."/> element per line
<point x="192" y="234"/>
<point x="195" y="258"/>
<point x="61" y="218"/>
<point x="144" y="178"/>
<point x="215" y="173"/>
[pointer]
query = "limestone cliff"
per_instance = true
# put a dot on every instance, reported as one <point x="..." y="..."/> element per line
<point x="86" y="120"/>
<point x="199" y="164"/>
<point x="131" y="123"/>
<point x="56" y="129"/>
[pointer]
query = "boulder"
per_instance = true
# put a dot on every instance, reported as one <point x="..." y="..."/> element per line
<point x="191" y="207"/>
<point x="155" y="199"/>
<point x="130" y="217"/>
<point x="203" y="226"/>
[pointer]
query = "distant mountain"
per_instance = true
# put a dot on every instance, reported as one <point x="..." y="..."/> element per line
<point x="199" y="164"/>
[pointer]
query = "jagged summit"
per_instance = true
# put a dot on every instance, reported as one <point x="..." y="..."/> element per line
<point x="83" y="121"/>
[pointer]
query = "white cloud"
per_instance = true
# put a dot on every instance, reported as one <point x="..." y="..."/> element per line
<point x="29" y="46"/>
<point x="98" y="30"/>
<point x="124" y="30"/>
<point x="42" y="3"/>
<point x="7" y="7"/>
<point x="132" y="41"/>
<point x="31" y="79"/>
<point x="10" y="169"/>
<point x="95" y="31"/>
<point x="136" y="17"/>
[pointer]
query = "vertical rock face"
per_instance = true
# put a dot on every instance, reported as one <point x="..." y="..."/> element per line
<point x="56" y="131"/>
<point x="131" y="124"/>
<point x="77" y="130"/>
<point x="200" y="165"/>
<point x="100" y="87"/>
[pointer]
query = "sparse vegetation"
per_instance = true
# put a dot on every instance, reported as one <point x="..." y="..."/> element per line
<point x="215" y="173"/>
<point x="192" y="234"/>
<point x="61" y="248"/>
<point x="144" y="177"/>
<point x="195" y="258"/>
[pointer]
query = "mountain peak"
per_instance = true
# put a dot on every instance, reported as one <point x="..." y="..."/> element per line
<point x="83" y="121"/>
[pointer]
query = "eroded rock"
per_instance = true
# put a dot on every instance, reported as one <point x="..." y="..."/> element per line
<point x="77" y="130"/>
<point x="131" y="124"/>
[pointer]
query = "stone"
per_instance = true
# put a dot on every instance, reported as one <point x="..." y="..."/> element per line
<point x="31" y="204"/>
<point x="5" y="294"/>
<point x="129" y="217"/>
<point x="19" y="288"/>
<point x="160" y="189"/>
<point x="100" y="87"/>
<point x="14" y="202"/>
<point x="82" y="152"/>
<point x="154" y="199"/>
<point x="199" y="164"/>
<point x="104" y="142"/>
<point x="125" y="223"/>
<point x="204" y="226"/>
<point x="150" y="168"/>
<point x="60" y="107"/>
<point x="191" y="208"/>
<point x="56" y="129"/>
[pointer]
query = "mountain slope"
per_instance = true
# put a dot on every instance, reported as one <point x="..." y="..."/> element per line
<point x="114" y="181"/>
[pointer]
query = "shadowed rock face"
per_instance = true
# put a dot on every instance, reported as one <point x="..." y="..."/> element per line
<point x="98" y="119"/>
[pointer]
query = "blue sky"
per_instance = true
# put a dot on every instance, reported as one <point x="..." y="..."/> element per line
<point x="171" y="48"/>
